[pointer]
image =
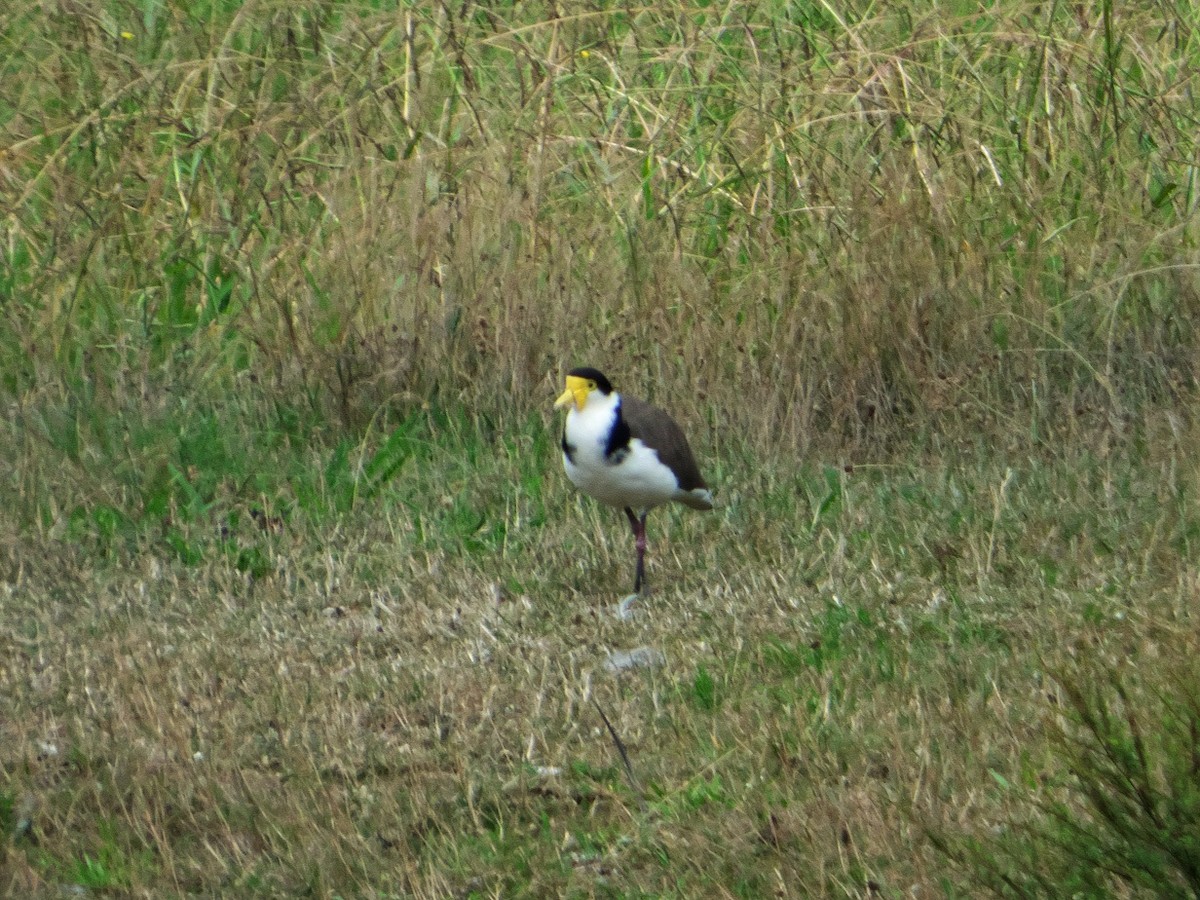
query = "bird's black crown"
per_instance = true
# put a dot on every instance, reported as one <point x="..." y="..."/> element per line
<point x="603" y="385"/>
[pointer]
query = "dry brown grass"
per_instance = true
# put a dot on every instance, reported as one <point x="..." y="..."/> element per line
<point x="294" y="599"/>
<point x="381" y="715"/>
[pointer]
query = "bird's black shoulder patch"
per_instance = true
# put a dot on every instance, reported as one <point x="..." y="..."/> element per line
<point x="618" y="440"/>
<point x="568" y="448"/>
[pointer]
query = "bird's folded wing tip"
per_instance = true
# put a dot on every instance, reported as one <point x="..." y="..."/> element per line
<point x="697" y="498"/>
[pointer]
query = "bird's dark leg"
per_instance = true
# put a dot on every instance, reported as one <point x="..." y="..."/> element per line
<point x="639" y="537"/>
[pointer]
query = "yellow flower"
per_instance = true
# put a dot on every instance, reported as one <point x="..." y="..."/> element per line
<point x="128" y="35"/>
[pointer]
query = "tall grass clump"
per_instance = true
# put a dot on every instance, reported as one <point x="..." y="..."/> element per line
<point x="855" y="214"/>
<point x="1119" y="810"/>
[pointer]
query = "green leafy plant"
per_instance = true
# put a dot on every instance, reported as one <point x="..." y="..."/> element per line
<point x="1125" y="812"/>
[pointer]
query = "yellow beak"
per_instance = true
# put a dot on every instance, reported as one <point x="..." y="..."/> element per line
<point x="576" y="392"/>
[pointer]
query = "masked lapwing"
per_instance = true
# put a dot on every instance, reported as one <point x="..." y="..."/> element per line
<point x="628" y="454"/>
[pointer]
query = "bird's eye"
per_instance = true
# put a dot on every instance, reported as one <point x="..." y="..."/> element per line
<point x="591" y="385"/>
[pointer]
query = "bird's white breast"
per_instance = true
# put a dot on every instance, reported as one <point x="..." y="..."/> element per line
<point x="639" y="479"/>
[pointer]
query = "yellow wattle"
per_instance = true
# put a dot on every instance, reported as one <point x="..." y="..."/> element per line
<point x="576" y="392"/>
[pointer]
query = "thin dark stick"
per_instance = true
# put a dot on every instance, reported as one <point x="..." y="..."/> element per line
<point x="620" y="745"/>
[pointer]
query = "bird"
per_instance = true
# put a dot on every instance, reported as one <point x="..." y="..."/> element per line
<point x="627" y="453"/>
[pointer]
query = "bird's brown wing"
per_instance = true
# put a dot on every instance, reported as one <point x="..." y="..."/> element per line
<point x="661" y="433"/>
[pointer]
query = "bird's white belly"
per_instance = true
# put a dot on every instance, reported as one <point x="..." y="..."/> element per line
<point x="640" y="480"/>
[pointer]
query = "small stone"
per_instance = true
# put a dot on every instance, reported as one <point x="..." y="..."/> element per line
<point x="638" y="658"/>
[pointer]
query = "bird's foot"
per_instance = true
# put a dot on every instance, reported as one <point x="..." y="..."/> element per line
<point x="624" y="609"/>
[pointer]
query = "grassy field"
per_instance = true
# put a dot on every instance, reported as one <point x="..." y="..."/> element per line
<point x="296" y="600"/>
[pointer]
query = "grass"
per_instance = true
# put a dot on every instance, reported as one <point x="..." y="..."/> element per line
<point x="400" y="703"/>
<point x="296" y="600"/>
